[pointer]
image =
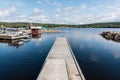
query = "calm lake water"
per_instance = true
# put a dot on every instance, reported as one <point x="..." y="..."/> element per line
<point x="98" y="58"/>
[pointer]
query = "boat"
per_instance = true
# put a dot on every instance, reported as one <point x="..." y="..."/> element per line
<point x="18" y="42"/>
<point x="25" y="40"/>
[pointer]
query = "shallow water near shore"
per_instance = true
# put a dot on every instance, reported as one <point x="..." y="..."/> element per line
<point x="98" y="58"/>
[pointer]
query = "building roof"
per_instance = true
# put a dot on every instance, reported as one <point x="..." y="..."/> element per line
<point x="37" y="27"/>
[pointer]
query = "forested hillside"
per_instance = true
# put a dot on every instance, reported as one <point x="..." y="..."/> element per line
<point x="95" y="25"/>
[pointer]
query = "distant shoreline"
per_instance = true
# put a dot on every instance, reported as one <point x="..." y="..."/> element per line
<point x="26" y="25"/>
<point x="42" y="31"/>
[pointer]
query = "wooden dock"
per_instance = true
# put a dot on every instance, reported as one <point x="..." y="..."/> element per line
<point x="8" y="37"/>
<point x="61" y="63"/>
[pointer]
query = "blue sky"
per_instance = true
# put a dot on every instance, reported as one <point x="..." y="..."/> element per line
<point x="60" y="11"/>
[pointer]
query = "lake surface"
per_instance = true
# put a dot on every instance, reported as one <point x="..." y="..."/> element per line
<point x="98" y="58"/>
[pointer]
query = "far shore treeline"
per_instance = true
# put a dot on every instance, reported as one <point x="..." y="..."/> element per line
<point x="26" y="25"/>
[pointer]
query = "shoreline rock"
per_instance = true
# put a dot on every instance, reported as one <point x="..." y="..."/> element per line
<point x="115" y="36"/>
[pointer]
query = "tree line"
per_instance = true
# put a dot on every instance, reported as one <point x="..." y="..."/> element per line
<point x="26" y="25"/>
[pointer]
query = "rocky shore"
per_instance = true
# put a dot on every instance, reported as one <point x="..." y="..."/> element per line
<point x="115" y="36"/>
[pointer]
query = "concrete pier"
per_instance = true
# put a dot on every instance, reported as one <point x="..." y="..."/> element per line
<point x="60" y="63"/>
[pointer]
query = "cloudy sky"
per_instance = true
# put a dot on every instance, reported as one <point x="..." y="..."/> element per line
<point x="60" y="11"/>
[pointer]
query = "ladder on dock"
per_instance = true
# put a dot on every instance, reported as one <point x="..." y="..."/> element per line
<point x="61" y="63"/>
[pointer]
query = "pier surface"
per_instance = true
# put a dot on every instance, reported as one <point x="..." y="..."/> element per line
<point x="60" y="63"/>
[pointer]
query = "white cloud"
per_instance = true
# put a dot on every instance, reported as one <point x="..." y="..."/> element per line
<point x="83" y="6"/>
<point x="38" y="18"/>
<point x="57" y="3"/>
<point x="37" y="11"/>
<point x="70" y="1"/>
<point x="69" y="8"/>
<point x="56" y="15"/>
<point x="81" y="14"/>
<point x="94" y="9"/>
<point x="58" y="10"/>
<point x="54" y="3"/>
<point x="39" y="2"/>
<point x="7" y="12"/>
<point x="17" y="3"/>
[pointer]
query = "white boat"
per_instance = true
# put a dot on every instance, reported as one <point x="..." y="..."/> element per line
<point x="25" y="40"/>
<point x="18" y="43"/>
<point x="21" y="42"/>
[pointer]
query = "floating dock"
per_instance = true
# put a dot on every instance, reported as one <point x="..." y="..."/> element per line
<point x="61" y="63"/>
<point x="8" y="37"/>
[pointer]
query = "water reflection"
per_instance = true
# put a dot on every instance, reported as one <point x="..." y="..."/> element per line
<point x="36" y="36"/>
<point x="14" y="43"/>
<point x="111" y="39"/>
<point x="98" y="58"/>
<point x="94" y="58"/>
<point x="117" y="55"/>
<point x="37" y="39"/>
<point x="114" y="36"/>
